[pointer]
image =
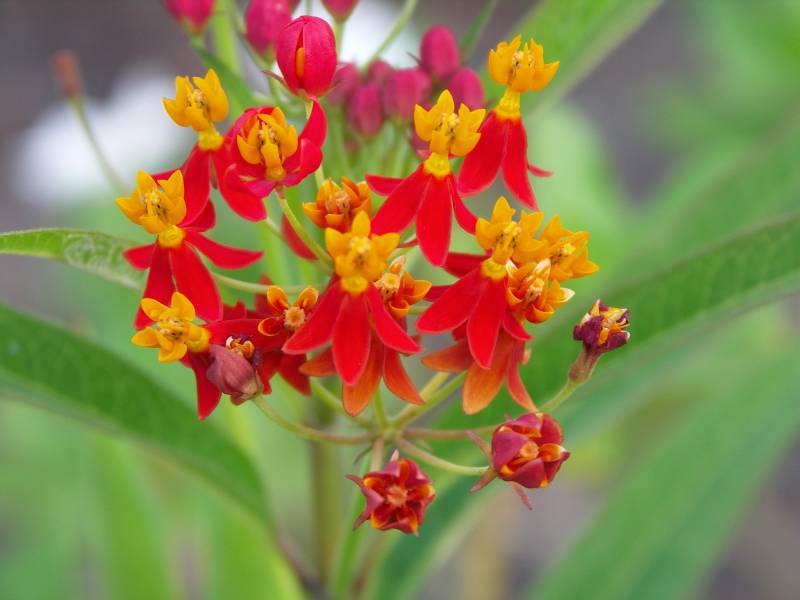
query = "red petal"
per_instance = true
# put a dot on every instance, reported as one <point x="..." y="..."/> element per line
<point x="302" y="163"/>
<point x="319" y="327"/>
<point x="351" y="339"/>
<point x="316" y="126"/>
<point x="139" y="257"/>
<point x="453" y="359"/>
<point x="203" y="221"/>
<point x="464" y="217"/>
<point x="355" y="398"/>
<point x="515" y="165"/>
<point x="538" y="171"/>
<point x="159" y="284"/>
<point x="480" y="166"/>
<point x="195" y="282"/>
<point x="386" y="326"/>
<point x="242" y="201"/>
<point x="397" y="379"/>
<point x="225" y="257"/>
<point x="514" y="328"/>
<point x="455" y="305"/>
<point x="208" y="395"/>
<point x="434" y="220"/>
<point x="459" y="264"/>
<point x="290" y="371"/>
<point x="516" y="388"/>
<point x="399" y="209"/>
<point x="482" y="385"/>
<point x="196" y="182"/>
<point x="383" y="186"/>
<point x="320" y="366"/>
<point x="294" y="242"/>
<point x="483" y="326"/>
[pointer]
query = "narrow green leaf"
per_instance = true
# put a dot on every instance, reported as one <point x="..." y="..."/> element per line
<point x="91" y="251"/>
<point x="666" y="523"/>
<point x="48" y="366"/>
<point x="579" y="33"/>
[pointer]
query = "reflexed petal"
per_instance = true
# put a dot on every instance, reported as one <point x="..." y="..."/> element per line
<point x="316" y="126"/>
<point x="290" y="371"/>
<point x="208" y="396"/>
<point x="514" y="328"/>
<point x="480" y="166"/>
<point x="386" y="326"/>
<point x="434" y="220"/>
<point x="139" y="257"/>
<point x="196" y="183"/>
<point x="355" y="398"/>
<point x="195" y="282"/>
<point x="320" y="366"/>
<point x="464" y="217"/>
<point x="397" y="379"/>
<point x="455" y="305"/>
<point x="319" y="327"/>
<point x="515" y="165"/>
<point x="483" y="326"/>
<point x="453" y="359"/>
<point x="400" y="208"/>
<point x="240" y="198"/>
<point x="225" y="257"/>
<point x="159" y="284"/>
<point x="383" y="186"/>
<point x="294" y="242"/>
<point x="204" y="221"/>
<point x="351" y="339"/>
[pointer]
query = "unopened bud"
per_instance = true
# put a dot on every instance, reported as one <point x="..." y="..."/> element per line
<point x="379" y="71"/>
<point x="466" y="87"/>
<point x="438" y="53"/>
<point x="306" y="54"/>
<point x="68" y="73"/>
<point x="191" y="14"/>
<point x="340" y="9"/>
<point x="233" y="374"/>
<point x="345" y="81"/>
<point x="404" y="89"/>
<point x="263" y="21"/>
<point x="365" y="109"/>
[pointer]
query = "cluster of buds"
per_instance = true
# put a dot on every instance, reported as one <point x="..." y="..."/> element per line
<point x="358" y="325"/>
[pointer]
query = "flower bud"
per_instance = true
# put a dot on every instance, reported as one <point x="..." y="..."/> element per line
<point x="466" y="87"/>
<point x="263" y="21"/>
<point x="233" y="374"/>
<point x="191" y="14"/>
<point x="345" y="81"/>
<point x="379" y="71"/>
<point x="404" y="89"/>
<point x="340" y="9"/>
<point x="602" y="329"/>
<point x="438" y="53"/>
<point x="365" y="109"/>
<point x="67" y="73"/>
<point x="306" y="54"/>
<point x="528" y="450"/>
<point x="397" y="496"/>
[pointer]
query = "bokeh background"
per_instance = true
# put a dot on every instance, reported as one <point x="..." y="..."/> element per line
<point x="679" y="103"/>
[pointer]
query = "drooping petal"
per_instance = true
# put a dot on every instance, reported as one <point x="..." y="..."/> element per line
<point x="386" y="326"/>
<point x="482" y="385"/>
<point x="434" y="220"/>
<point x="483" y="326"/>
<point x="196" y="183"/>
<point x="351" y="339"/>
<point x="319" y="327"/>
<point x="208" y="395"/>
<point x="514" y="328"/>
<point x="240" y="198"/>
<point x="302" y="163"/>
<point x="159" y="284"/>
<point x="517" y="389"/>
<point x="139" y="257"/>
<point x="459" y="264"/>
<point x="397" y="379"/>
<point x="290" y="371"/>
<point x="320" y="366"/>
<point x="515" y="165"/>
<point x="225" y="257"/>
<point x="383" y="186"/>
<point x="453" y="359"/>
<point x="355" y="398"/>
<point x="294" y="242"/>
<point x="399" y="209"/>
<point x="194" y="281"/>
<point x="455" y="305"/>
<point x="203" y="221"/>
<point x="464" y="217"/>
<point x="480" y="167"/>
<point x="316" y="126"/>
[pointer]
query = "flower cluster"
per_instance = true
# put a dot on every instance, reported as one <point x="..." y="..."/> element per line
<point x="357" y="322"/>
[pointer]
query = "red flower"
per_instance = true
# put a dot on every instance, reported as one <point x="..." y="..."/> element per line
<point x="179" y="220"/>
<point x="352" y="310"/>
<point x="528" y="450"/>
<point x="397" y="496"/>
<point x="482" y="385"/>
<point x="306" y="53"/>
<point x="399" y="292"/>
<point x="504" y="143"/>
<point x="263" y="21"/>
<point x="266" y="152"/>
<point x="429" y="194"/>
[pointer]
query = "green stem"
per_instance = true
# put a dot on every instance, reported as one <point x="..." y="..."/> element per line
<point x="437" y="462"/>
<point x="433" y="398"/>
<point x="324" y="260"/>
<point x="399" y="25"/>
<point x="445" y="434"/>
<point x="476" y="29"/>
<point x="380" y="413"/>
<point x="565" y="392"/>
<point x="254" y="288"/>
<point x="110" y="174"/>
<point x="310" y="433"/>
<point x="331" y="400"/>
<point x="223" y="32"/>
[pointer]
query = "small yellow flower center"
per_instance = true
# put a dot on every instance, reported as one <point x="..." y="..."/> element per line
<point x="293" y="318"/>
<point x="388" y="285"/>
<point x="268" y="140"/>
<point x="173" y="329"/>
<point x="396" y="496"/>
<point x="339" y="202"/>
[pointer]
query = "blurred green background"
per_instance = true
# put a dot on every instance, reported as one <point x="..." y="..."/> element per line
<point x="674" y="151"/>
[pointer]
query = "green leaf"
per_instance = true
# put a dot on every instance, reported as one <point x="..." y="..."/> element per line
<point x="579" y="33"/>
<point x="664" y="525"/>
<point x="48" y="366"/>
<point x="91" y="251"/>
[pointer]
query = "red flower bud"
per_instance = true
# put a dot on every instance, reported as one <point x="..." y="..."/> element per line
<point x="263" y="21"/>
<point x="379" y="72"/>
<point x="68" y="73"/>
<point x="528" y="450"/>
<point x="438" y="53"/>
<point x="306" y="53"/>
<point x="340" y="9"/>
<point x="466" y="87"/>
<point x="233" y="374"/>
<point x="365" y="110"/>
<point x="345" y="81"/>
<point x="397" y="496"/>
<point x="602" y="329"/>
<point x="192" y="14"/>
<point x="404" y="89"/>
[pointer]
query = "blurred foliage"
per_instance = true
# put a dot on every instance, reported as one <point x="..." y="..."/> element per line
<point x="684" y="429"/>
